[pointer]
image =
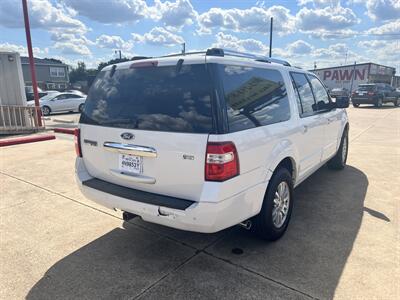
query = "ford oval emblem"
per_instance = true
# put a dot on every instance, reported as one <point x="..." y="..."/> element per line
<point x="127" y="136"/>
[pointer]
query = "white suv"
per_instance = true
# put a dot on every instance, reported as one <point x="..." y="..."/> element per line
<point x="204" y="141"/>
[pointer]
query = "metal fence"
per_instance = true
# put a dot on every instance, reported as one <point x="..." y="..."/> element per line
<point x="18" y="119"/>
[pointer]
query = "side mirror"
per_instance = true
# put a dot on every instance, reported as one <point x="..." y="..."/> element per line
<point x="342" y="102"/>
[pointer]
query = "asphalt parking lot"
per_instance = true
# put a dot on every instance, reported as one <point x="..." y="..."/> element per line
<point x="343" y="240"/>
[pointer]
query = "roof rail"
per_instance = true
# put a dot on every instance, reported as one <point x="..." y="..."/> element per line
<point x="183" y="54"/>
<point x="261" y="58"/>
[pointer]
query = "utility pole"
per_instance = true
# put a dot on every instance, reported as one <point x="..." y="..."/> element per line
<point x="270" y="37"/>
<point x="120" y="54"/>
<point x="32" y="62"/>
<point x="352" y="78"/>
<point x="183" y="48"/>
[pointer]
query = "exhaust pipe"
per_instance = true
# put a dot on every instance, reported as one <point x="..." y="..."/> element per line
<point x="246" y="224"/>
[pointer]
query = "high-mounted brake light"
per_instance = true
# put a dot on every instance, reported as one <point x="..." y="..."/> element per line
<point x="144" y="64"/>
<point x="222" y="161"/>
<point x="77" y="139"/>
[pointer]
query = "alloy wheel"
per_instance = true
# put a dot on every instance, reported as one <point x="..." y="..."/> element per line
<point x="281" y="204"/>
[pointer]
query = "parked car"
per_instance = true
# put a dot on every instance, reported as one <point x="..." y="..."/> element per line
<point x="202" y="142"/>
<point x="57" y="102"/>
<point x="376" y="94"/>
<point x="29" y="93"/>
<point x="339" y="92"/>
<point x="77" y="92"/>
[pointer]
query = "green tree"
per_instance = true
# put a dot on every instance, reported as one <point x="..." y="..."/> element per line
<point x="79" y="73"/>
<point x="111" y="62"/>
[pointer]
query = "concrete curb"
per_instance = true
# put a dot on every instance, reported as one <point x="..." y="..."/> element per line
<point x="65" y="130"/>
<point x="63" y="121"/>
<point x="26" y="139"/>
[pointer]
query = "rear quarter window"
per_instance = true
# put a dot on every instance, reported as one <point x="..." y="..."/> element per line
<point x="152" y="98"/>
<point x="254" y="97"/>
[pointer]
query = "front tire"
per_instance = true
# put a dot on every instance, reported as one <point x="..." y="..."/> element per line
<point x="397" y="102"/>
<point x="273" y="219"/>
<point x="46" y="110"/>
<point x="356" y="105"/>
<point x="338" y="162"/>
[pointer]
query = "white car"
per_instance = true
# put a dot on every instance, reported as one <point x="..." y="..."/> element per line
<point x="205" y="141"/>
<point x="57" y="102"/>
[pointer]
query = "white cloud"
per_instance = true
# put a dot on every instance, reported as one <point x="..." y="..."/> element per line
<point x="22" y="50"/>
<point x="319" y="3"/>
<point x="390" y="30"/>
<point x="42" y="13"/>
<point x="254" y="19"/>
<point x="110" y="11"/>
<point x="231" y="42"/>
<point x="70" y="48"/>
<point x="299" y="47"/>
<point x="383" y="9"/>
<point x="113" y="42"/>
<point x="174" y="15"/>
<point x="158" y="36"/>
<point x="326" y="19"/>
<point x="385" y="52"/>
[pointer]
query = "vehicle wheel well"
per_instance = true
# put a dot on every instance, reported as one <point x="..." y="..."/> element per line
<point x="289" y="164"/>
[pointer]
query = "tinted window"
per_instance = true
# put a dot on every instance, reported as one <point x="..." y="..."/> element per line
<point x="73" y="96"/>
<point x="61" y="97"/>
<point x="305" y="98"/>
<point x="320" y="94"/>
<point x="254" y="97"/>
<point x="368" y="87"/>
<point x="152" y="98"/>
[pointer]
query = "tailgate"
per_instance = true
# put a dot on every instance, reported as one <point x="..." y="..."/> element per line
<point x="159" y="162"/>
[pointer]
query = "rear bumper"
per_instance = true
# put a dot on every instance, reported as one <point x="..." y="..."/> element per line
<point x="364" y="100"/>
<point x="206" y="217"/>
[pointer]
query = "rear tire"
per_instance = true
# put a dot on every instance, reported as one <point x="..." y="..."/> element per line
<point x="379" y="102"/>
<point x="356" y="105"/>
<point x="81" y="106"/>
<point x="397" y="102"/>
<point x="273" y="219"/>
<point x="338" y="162"/>
<point x="46" y="110"/>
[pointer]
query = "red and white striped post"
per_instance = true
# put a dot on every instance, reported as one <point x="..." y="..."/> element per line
<point x="31" y="62"/>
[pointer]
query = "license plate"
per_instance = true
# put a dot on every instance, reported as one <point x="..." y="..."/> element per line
<point x="130" y="163"/>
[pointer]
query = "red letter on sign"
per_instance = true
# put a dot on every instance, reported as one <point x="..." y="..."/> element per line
<point x="327" y="74"/>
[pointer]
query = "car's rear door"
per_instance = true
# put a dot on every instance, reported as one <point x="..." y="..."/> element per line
<point x="146" y="127"/>
<point x="72" y="102"/>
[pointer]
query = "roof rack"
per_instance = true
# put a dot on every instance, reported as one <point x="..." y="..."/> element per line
<point x="261" y="58"/>
<point x="225" y="52"/>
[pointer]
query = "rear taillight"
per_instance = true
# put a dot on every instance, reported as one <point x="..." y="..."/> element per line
<point x="371" y="93"/>
<point x="77" y="139"/>
<point x="222" y="161"/>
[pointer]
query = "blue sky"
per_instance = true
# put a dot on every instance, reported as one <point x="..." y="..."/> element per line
<point x="328" y="32"/>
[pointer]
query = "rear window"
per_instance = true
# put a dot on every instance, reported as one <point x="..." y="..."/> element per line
<point x="366" y="87"/>
<point x="254" y="97"/>
<point x="152" y="98"/>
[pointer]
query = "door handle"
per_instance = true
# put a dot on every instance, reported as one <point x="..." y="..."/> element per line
<point x="304" y="128"/>
<point x="330" y="120"/>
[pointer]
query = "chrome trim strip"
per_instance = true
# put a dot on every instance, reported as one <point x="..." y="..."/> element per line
<point x="130" y="149"/>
